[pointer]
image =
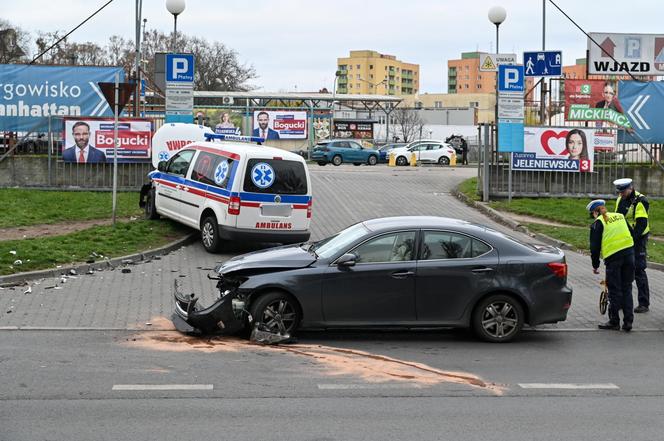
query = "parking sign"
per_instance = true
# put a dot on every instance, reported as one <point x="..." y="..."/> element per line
<point x="180" y="68"/>
<point x="510" y="78"/>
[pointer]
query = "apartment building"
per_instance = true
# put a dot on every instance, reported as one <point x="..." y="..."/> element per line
<point x="369" y="72"/>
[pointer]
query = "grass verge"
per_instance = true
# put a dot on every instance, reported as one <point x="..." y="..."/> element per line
<point x="23" y="207"/>
<point x="108" y="241"/>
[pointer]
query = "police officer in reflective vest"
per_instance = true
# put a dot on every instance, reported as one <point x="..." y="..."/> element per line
<point x="611" y="236"/>
<point x="634" y="206"/>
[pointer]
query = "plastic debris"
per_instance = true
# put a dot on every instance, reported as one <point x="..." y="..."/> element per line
<point x="72" y="272"/>
<point x="18" y="262"/>
<point x="63" y="280"/>
<point x="126" y="270"/>
<point x="261" y="334"/>
<point x="28" y="290"/>
<point x="12" y="252"/>
<point x="148" y="324"/>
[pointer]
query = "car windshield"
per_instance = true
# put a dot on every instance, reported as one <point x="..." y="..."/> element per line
<point x="333" y="245"/>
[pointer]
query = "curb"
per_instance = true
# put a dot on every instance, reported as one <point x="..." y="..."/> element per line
<point x="511" y="223"/>
<point x="21" y="278"/>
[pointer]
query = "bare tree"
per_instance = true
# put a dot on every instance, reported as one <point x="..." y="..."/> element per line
<point x="14" y="43"/>
<point x="409" y="122"/>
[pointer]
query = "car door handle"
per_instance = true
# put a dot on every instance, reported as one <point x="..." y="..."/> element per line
<point x="402" y="274"/>
<point x="483" y="269"/>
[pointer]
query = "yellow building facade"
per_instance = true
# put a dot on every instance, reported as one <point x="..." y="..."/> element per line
<point x="372" y="73"/>
<point x="483" y="103"/>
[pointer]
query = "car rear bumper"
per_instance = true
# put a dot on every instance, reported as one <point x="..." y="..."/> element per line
<point x="553" y="308"/>
<point x="250" y="235"/>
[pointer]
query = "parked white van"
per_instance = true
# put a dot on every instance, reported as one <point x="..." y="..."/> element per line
<point x="233" y="188"/>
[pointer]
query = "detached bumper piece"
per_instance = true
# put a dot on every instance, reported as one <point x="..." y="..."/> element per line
<point x="219" y="318"/>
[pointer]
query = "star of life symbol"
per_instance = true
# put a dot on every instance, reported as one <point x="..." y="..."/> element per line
<point x="221" y="172"/>
<point x="262" y="175"/>
<point x="163" y="156"/>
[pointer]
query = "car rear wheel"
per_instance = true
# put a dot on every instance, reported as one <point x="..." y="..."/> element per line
<point x="401" y="160"/>
<point x="444" y="160"/>
<point x="322" y="163"/>
<point x="337" y="160"/>
<point x="277" y="312"/>
<point x="210" y="234"/>
<point x="498" y="318"/>
<point x="150" y="207"/>
<point x="373" y="160"/>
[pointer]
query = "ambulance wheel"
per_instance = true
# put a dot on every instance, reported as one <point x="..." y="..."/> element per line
<point x="401" y="160"/>
<point x="150" y="208"/>
<point x="444" y="160"/>
<point x="337" y="160"/>
<point x="373" y="160"/>
<point x="210" y="234"/>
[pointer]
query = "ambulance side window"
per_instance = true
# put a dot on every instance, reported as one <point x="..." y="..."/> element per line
<point x="179" y="164"/>
<point x="212" y="169"/>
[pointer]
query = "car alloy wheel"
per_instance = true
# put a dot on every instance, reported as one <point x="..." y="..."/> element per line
<point x="337" y="160"/>
<point x="401" y="160"/>
<point x="150" y="208"/>
<point x="277" y="312"/>
<point x="373" y="160"/>
<point x="444" y="160"/>
<point x="499" y="318"/>
<point x="210" y="234"/>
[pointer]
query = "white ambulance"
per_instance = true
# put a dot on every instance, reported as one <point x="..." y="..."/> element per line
<point x="232" y="188"/>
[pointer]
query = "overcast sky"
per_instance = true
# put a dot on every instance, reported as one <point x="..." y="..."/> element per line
<point x="294" y="44"/>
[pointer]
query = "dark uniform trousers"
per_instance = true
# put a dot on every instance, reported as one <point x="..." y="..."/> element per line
<point x="640" y="259"/>
<point x="619" y="278"/>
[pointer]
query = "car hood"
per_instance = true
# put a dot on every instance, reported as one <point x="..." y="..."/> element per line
<point x="286" y="257"/>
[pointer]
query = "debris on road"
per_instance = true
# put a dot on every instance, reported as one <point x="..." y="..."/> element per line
<point x="28" y="290"/>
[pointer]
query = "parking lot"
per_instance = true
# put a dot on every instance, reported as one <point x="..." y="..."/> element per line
<point x="343" y="195"/>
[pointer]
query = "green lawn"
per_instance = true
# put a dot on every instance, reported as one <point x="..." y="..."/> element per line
<point x="108" y="241"/>
<point x="22" y="207"/>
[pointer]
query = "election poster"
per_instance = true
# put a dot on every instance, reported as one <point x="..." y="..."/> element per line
<point x="560" y="149"/>
<point x="594" y="100"/>
<point x="280" y="124"/>
<point x="90" y="140"/>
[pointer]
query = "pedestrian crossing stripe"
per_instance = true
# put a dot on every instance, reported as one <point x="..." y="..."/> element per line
<point x="488" y="64"/>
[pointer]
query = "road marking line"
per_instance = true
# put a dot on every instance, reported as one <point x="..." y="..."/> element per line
<point x="568" y="386"/>
<point x="368" y="386"/>
<point x="138" y="387"/>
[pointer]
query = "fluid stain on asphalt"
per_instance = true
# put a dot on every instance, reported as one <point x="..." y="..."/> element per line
<point x="369" y="367"/>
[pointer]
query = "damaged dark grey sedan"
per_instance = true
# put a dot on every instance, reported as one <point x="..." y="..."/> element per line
<point x="398" y="272"/>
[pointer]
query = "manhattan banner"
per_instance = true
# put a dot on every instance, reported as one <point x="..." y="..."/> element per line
<point x="280" y="124"/>
<point x="558" y="149"/>
<point x="30" y="94"/>
<point x="91" y="140"/>
<point x="594" y="100"/>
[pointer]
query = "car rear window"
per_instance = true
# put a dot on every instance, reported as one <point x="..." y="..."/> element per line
<point x="275" y="176"/>
<point x="212" y="169"/>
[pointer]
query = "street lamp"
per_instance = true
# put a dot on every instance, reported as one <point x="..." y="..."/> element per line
<point x="497" y="15"/>
<point x="175" y="7"/>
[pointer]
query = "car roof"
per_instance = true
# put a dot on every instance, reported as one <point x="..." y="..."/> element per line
<point x="252" y="150"/>
<point x="414" y="221"/>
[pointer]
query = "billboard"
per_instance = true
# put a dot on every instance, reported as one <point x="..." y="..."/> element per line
<point x="638" y="54"/>
<point x="280" y="124"/>
<point x="91" y="140"/>
<point x="30" y="94"/>
<point x="558" y="149"/>
<point x="644" y="106"/>
<point x="353" y="130"/>
<point x="594" y="100"/>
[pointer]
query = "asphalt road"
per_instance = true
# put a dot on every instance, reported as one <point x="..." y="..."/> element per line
<point x="83" y="385"/>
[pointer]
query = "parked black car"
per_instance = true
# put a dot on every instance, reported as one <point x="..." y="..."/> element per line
<point x="405" y="272"/>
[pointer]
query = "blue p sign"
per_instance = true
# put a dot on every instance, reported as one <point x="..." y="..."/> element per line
<point x="180" y="68"/>
<point x="510" y="78"/>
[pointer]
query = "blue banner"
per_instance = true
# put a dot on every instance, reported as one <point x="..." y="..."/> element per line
<point x="30" y="94"/>
<point x="643" y="104"/>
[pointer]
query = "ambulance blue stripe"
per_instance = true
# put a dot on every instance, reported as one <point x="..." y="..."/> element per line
<point x="266" y="197"/>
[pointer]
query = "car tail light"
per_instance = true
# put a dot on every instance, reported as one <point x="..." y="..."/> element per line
<point x="309" y="210"/>
<point x="234" y="205"/>
<point x="559" y="269"/>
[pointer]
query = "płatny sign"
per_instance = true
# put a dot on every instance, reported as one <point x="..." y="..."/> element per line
<point x="510" y="108"/>
<point x="638" y="54"/>
<point x="179" y="87"/>
<point x="30" y="94"/>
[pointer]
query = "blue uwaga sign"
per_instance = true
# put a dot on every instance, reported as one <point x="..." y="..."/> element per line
<point x="30" y="94"/>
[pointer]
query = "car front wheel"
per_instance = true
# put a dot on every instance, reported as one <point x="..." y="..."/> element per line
<point x="373" y="160"/>
<point x="150" y="207"/>
<point x="498" y="318"/>
<point x="337" y="160"/>
<point x="277" y="312"/>
<point x="210" y="234"/>
<point x="444" y="160"/>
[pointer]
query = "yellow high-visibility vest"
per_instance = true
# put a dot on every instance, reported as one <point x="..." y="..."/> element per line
<point x="616" y="235"/>
<point x="634" y="212"/>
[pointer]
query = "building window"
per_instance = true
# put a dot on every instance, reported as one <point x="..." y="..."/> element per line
<point x="357" y="66"/>
<point x="357" y="76"/>
<point x="479" y="86"/>
<point x="350" y="86"/>
<point x="371" y="76"/>
<point x="466" y="86"/>
<point x="357" y="85"/>
<point x="474" y="104"/>
<point x="438" y="104"/>
<point x="371" y="66"/>
<point x="350" y="67"/>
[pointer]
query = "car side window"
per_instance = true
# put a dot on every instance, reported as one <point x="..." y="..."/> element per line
<point x="343" y="144"/>
<point x="447" y="245"/>
<point x="179" y="164"/>
<point x="394" y="247"/>
<point x="355" y="146"/>
<point x="433" y="147"/>
<point x="212" y="169"/>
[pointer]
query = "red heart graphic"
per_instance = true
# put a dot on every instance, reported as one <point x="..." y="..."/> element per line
<point x="547" y="135"/>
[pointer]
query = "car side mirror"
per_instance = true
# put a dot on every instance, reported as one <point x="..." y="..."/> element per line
<point x="347" y="259"/>
<point x="161" y="166"/>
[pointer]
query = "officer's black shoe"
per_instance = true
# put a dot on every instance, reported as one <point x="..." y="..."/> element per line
<point x="609" y="325"/>
<point x="640" y="309"/>
<point x="627" y="327"/>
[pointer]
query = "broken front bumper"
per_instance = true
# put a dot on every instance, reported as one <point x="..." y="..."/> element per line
<point x="220" y="318"/>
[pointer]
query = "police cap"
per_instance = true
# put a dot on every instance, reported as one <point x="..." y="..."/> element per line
<point x="622" y="184"/>
<point x="594" y="205"/>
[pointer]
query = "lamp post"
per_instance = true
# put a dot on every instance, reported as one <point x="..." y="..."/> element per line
<point x="497" y="15"/>
<point x="337" y="74"/>
<point x="175" y="7"/>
